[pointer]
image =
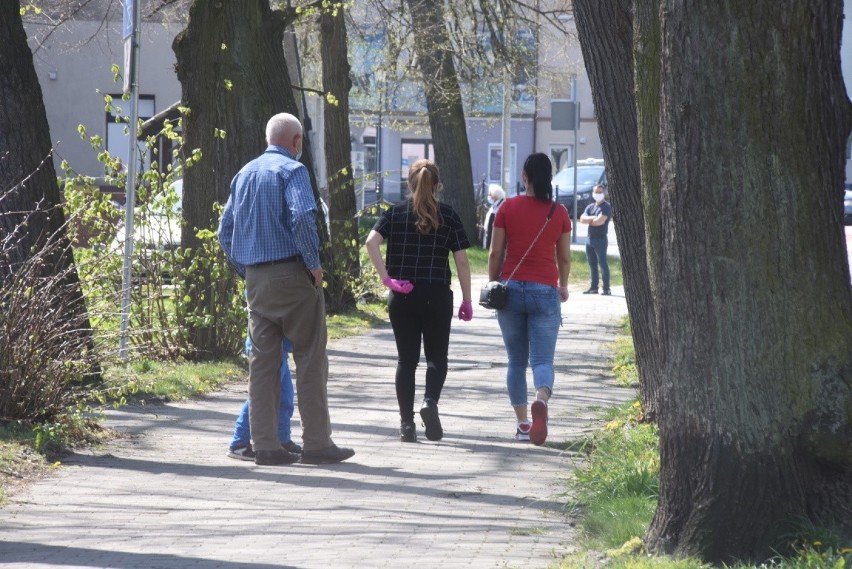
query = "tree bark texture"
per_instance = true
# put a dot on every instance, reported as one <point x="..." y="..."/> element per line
<point x="444" y="104"/>
<point x="755" y="304"/>
<point x="233" y="74"/>
<point x="605" y="29"/>
<point x="343" y="245"/>
<point x="30" y="200"/>
<point x="742" y="121"/>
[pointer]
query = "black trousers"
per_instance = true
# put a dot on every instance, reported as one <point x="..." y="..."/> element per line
<point x="426" y="312"/>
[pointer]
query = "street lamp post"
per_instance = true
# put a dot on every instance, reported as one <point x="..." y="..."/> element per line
<point x="380" y="81"/>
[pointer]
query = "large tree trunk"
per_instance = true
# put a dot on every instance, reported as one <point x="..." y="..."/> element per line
<point x="605" y="29"/>
<point x="233" y="73"/>
<point x="747" y="268"/>
<point x="345" y="262"/>
<point x="30" y="201"/>
<point x="444" y="104"/>
<point x="755" y="304"/>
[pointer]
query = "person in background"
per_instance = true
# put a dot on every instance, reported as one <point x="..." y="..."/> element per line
<point x="534" y="234"/>
<point x="421" y="232"/>
<point x="268" y="233"/>
<point x="597" y="216"/>
<point x="496" y="195"/>
<point x="240" y="447"/>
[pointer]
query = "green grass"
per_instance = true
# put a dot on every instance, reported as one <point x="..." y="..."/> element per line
<point x="579" y="266"/>
<point x="615" y="521"/>
<point x="175" y="381"/>
<point x="356" y="321"/>
<point x="624" y="358"/>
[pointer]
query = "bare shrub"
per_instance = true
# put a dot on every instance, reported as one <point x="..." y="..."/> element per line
<point x="47" y="353"/>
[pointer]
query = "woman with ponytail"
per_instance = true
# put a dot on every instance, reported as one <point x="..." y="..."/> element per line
<point x="533" y="234"/>
<point x="421" y="232"/>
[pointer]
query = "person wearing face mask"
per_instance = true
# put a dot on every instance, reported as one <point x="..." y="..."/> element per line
<point x="496" y="196"/>
<point x="597" y="216"/>
<point x="421" y="233"/>
<point x="268" y="233"/>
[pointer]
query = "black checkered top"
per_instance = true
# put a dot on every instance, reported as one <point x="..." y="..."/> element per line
<point x="418" y="257"/>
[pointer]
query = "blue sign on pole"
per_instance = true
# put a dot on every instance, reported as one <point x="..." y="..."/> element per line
<point x="127" y="23"/>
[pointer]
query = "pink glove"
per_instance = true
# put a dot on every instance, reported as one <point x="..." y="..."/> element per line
<point x="465" y="311"/>
<point x="402" y="287"/>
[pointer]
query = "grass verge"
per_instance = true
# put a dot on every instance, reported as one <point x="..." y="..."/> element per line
<point x="579" y="267"/>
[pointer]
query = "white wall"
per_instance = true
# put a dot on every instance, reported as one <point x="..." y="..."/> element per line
<point x="74" y="70"/>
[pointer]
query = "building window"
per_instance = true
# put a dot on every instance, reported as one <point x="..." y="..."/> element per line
<point x="118" y="131"/>
<point x="412" y="151"/>
<point x="495" y="164"/>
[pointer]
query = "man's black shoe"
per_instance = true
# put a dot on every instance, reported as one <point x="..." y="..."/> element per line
<point x="590" y="291"/>
<point x="606" y="292"/>
<point x="429" y="414"/>
<point x="328" y="455"/>
<point x="274" y="457"/>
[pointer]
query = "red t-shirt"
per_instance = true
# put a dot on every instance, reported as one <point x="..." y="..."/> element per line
<point x="521" y="217"/>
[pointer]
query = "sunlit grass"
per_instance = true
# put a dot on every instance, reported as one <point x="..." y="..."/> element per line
<point x="579" y="266"/>
<point x="175" y="381"/>
<point x="356" y="321"/>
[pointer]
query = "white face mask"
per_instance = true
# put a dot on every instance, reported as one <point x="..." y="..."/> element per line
<point x="598" y="197"/>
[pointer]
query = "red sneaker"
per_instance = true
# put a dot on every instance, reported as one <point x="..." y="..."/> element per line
<point x="538" y="432"/>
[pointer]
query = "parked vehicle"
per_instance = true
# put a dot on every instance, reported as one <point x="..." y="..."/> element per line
<point x="156" y="226"/>
<point x="156" y="235"/>
<point x="590" y="172"/>
<point x="847" y="205"/>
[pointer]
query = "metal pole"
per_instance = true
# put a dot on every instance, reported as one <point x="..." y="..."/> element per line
<point x="130" y="186"/>
<point x="506" y="150"/>
<point x="576" y="216"/>
<point x="379" y="184"/>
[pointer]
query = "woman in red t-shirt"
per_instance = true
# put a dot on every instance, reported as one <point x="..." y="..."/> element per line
<point x="533" y="234"/>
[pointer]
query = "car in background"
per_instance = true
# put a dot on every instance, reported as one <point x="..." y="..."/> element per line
<point x="590" y="173"/>
<point x="847" y="205"/>
<point x="156" y="226"/>
<point x="156" y="234"/>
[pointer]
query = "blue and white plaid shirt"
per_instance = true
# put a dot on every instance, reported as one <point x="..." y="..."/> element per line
<point x="271" y="213"/>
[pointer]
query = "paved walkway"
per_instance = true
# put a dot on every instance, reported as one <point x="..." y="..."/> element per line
<point x="167" y="497"/>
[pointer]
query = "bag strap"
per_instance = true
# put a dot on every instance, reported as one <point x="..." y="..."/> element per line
<point x="540" y="231"/>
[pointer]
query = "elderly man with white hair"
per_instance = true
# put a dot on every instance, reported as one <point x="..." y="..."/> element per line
<point x="268" y="232"/>
<point x="496" y="195"/>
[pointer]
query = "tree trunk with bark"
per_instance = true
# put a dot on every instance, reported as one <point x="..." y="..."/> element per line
<point x="747" y="267"/>
<point x="30" y="201"/>
<point x="605" y="29"/>
<point x="233" y="73"/>
<point x="446" y="112"/>
<point x="343" y="245"/>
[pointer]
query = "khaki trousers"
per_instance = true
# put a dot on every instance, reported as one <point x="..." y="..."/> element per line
<point x="282" y="301"/>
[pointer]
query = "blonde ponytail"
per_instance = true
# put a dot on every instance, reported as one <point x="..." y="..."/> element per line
<point x="424" y="182"/>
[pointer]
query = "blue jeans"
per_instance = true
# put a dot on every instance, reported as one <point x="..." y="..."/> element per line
<point x="529" y="322"/>
<point x="596" y="253"/>
<point x="242" y="427"/>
